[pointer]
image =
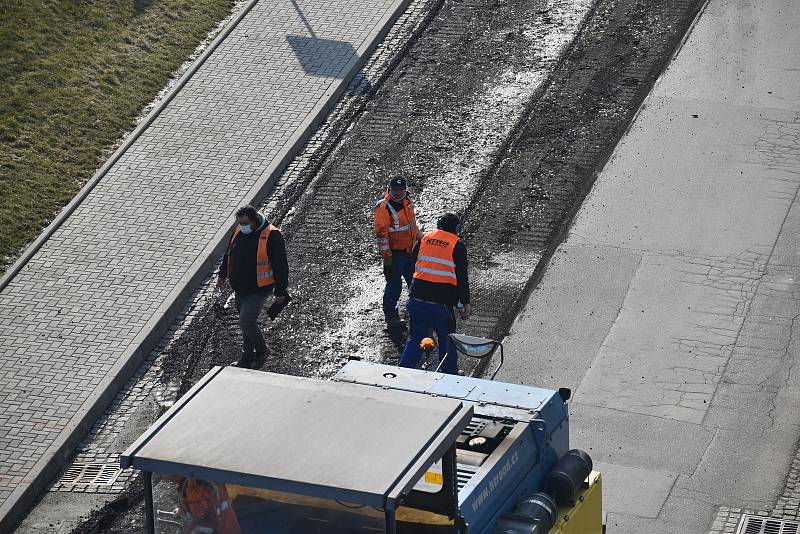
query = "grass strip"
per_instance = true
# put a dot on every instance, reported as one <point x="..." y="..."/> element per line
<point x="74" y="75"/>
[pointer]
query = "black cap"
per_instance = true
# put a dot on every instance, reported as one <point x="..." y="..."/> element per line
<point x="397" y="183"/>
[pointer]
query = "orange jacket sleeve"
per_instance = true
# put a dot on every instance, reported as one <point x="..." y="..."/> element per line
<point x="382" y="221"/>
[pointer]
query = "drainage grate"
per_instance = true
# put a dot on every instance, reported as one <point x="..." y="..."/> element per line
<point x="753" y="524"/>
<point x="90" y="474"/>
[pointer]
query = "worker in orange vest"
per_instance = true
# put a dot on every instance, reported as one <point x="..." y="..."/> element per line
<point x="205" y="507"/>
<point x="255" y="264"/>
<point x="396" y="232"/>
<point x="440" y="284"/>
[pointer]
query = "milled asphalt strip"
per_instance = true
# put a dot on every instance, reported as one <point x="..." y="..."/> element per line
<point x="34" y="247"/>
<point x="560" y="234"/>
<point x="59" y="451"/>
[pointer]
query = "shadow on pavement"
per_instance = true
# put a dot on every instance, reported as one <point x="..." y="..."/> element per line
<point x="321" y="57"/>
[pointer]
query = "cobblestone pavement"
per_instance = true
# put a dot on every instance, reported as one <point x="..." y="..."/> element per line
<point x="82" y="307"/>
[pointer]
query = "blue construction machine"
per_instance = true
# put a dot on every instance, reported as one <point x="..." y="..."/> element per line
<point x="376" y="449"/>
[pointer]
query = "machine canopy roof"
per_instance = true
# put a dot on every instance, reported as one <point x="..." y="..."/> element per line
<point x="356" y="443"/>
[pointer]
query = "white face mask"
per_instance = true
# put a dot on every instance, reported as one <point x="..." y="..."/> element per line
<point x="245" y="228"/>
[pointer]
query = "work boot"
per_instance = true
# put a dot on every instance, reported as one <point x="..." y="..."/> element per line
<point x="258" y="360"/>
<point x="245" y="361"/>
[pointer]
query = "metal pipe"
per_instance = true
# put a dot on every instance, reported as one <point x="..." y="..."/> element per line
<point x="150" y="519"/>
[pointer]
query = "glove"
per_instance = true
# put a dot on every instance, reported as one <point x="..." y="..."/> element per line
<point x="388" y="267"/>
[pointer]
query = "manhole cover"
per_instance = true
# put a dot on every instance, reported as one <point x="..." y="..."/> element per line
<point x="94" y="474"/>
<point x="753" y="524"/>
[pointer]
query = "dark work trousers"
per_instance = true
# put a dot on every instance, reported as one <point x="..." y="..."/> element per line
<point x="402" y="268"/>
<point x="249" y="307"/>
<point x="425" y="316"/>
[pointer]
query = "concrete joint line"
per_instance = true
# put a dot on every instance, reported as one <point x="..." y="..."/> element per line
<point x="51" y="228"/>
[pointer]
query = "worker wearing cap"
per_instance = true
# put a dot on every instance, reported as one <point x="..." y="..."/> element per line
<point x="440" y="284"/>
<point x="396" y="233"/>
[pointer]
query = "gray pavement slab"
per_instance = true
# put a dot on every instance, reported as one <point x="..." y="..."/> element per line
<point x="613" y="436"/>
<point x="691" y="316"/>
<point x="550" y="351"/>
<point x="694" y="374"/>
<point x="739" y="168"/>
<point x="742" y="468"/>
<point x="635" y="491"/>
<point x="96" y="297"/>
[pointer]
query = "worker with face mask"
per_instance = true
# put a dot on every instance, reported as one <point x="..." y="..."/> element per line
<point x="440" y="285"/>
<point x="396" y="232"/>
<point x="256" y="266"/>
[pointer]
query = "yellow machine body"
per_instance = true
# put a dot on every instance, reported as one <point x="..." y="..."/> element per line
<point x="586" y="516"/>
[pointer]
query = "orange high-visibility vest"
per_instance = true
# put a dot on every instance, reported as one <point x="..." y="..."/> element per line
<point x="435" y="261"/>
<point x="395" y="230"/>
<point x="264" y="275"/>
<point x="206" y="508"/>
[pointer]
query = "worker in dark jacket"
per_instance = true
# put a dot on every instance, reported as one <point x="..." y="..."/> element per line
<point x="440" y="284"/>
<point x="255" y="265"/>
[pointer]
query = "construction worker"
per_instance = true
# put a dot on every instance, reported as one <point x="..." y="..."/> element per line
<point x="396" y="233"/>
<point x="204" y="507"/>
<point x="256" y="266"/>
<point x="440" y="284"/>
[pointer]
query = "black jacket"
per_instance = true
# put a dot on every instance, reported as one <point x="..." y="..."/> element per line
<point x="444" y="293"/>
<point x="244" y="251"/>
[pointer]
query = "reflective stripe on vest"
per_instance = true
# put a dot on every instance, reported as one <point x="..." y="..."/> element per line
<point x="396" y="228"/>
<point x="395" y="216"/>
<point x="435" y="261"/>
<point x="438" y="260"/>
<point x="264" y="275"/>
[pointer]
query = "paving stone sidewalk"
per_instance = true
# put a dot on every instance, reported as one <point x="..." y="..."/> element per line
<point x="78" y="318"/>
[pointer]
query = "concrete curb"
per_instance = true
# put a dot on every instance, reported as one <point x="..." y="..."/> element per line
<point x="59" y="453"/>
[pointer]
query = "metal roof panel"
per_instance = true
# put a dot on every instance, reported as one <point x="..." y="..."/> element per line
<point x="328" y="439"/>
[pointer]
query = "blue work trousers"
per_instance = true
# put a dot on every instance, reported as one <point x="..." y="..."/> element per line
<point x="402" y="268"/>
<point x="425" y="317"/>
